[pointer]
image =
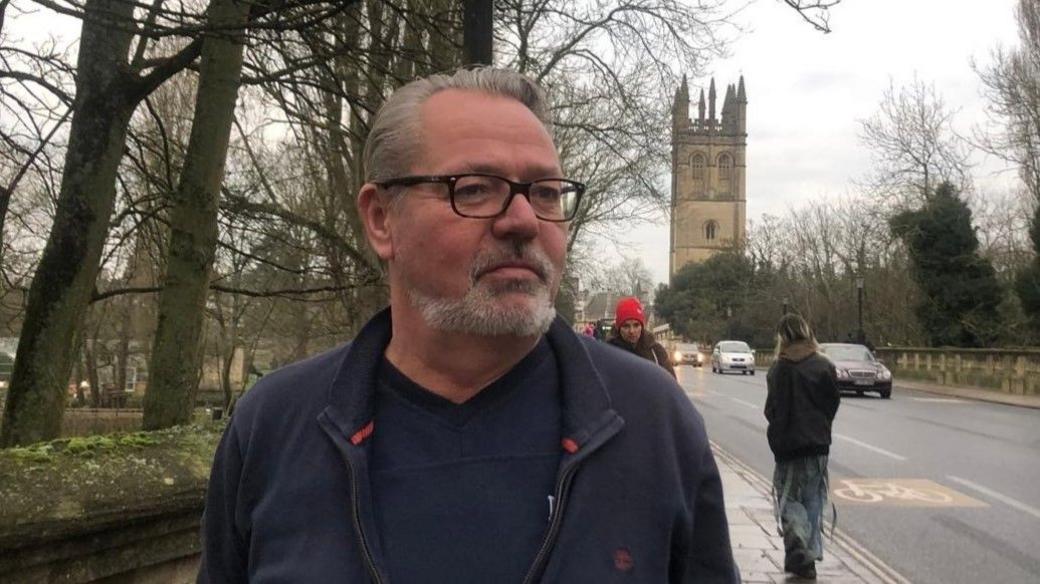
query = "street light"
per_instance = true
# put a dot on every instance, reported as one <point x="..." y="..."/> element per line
<point x="860" y="337"/>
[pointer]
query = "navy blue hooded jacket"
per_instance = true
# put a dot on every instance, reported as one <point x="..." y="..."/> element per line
<point x="639" y="498"/>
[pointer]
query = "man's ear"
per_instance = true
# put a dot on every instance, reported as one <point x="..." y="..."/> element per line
<point x="374" y="211"/>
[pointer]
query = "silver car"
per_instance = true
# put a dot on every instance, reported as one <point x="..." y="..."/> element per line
<point x="733" y="356"/>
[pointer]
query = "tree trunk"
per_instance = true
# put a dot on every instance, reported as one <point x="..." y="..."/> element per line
<point x="65" y="277"/>
<point x="174" y="369"/>
<point x="225" y="377"/>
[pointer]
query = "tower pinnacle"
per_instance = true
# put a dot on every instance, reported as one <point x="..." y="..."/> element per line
<point x="711" y="102"/>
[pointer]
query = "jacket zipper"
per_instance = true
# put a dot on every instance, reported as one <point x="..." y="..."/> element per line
<point x="356" y="508"/>
<point x="554" y="525"/>
<point x="355" y="505"/>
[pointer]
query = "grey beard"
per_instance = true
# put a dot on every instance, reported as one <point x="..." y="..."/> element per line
<point x="478" y="313"/>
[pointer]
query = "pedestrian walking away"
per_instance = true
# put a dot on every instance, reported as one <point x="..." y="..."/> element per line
<point x="630" y="334"/>
<point x="467" y="433"/>
<point x="801" y="403"/>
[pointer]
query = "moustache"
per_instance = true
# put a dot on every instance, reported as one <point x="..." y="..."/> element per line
<point x="521" y="255"/>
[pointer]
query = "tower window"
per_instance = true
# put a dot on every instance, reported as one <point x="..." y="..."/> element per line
<point x="698" y="167"/>
<point x="725" y="167"/>
<point x="711" y="230"/>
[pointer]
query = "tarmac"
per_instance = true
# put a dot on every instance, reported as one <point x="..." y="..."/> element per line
<point x="759" y="549"/>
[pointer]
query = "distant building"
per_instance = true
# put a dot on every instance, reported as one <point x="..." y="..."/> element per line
<point x="601" y="305"/>
<point x="709" y="188"/>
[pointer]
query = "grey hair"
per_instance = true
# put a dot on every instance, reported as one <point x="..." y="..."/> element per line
<point x="792" y="328"/>
<point x="395" y="135"/>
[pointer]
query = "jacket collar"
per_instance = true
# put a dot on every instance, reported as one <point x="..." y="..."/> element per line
<point x="588" y="418"/>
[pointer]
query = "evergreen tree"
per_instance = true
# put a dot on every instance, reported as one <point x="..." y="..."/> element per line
<point x="959" y="287"/>
<point x="1027" y="285"/>
<point x="717" y="299"/>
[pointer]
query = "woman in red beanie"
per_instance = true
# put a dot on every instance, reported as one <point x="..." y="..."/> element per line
<point x="631" y="335"/>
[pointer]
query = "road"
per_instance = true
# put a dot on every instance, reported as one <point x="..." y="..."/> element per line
<point x="946" y="491"/>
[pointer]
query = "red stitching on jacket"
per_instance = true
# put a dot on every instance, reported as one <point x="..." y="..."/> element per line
<point x="362" y="434"/>
<point x="569" y="445"/>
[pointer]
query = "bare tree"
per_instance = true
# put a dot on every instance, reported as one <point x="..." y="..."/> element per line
<point x="813" y="256"/>
<point x="1012" y="86"/>
<point x="117" y="69"/>
<point x="173" y="372"/>
<point x="108" y="89"/>
<point x="628" y="277"/>
<point x="815" y="12"/>
<point x="913" y="143"/>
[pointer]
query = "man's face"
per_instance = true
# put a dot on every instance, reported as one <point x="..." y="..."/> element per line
<point x="631" y="330"/>
<point x="482" y="276"/>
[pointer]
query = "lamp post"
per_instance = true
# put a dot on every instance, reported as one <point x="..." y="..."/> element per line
<point x="477" y="27"/>
<point x="860" y="337"/>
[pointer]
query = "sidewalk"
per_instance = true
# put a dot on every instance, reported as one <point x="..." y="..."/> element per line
<point x="759" y="551"/>
<point x="973" y="393"/>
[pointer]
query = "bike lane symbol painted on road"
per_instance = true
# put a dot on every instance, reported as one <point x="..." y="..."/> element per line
<point x="899" y="493"/>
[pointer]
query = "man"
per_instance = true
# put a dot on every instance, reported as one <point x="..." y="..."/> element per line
<point x="466" y="434"/>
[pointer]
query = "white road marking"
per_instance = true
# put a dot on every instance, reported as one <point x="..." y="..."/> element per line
<point x="939" y="400"/>
<point x="745" y="403"/>
<point x="869" y="447"/>
<point x="998" y="496"/>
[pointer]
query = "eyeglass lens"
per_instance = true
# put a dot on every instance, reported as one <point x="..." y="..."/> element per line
<point x="486" y="196"/>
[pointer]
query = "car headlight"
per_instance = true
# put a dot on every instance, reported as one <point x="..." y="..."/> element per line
<point x="677" y="356"/>
<point x="700" y="358"/>
<point x="884" y="374"/>
<point x="843" y="373"/>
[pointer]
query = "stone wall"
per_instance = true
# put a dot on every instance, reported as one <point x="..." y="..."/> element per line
<point x="108" y="509"/>
<point x="1014" y="371"/>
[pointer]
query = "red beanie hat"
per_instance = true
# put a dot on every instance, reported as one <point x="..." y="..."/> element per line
<point x="629" y="309"/>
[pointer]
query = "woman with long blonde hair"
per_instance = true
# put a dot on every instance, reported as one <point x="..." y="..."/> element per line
<point x="800" y="407"/>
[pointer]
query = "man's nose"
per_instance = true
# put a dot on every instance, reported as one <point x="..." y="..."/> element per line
<point x="518" y="221"/>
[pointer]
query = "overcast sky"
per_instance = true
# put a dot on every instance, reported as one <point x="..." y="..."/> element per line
<point x="806" y="92"/>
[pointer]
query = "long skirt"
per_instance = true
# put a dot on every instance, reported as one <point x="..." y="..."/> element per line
<point x="800" y="488"/>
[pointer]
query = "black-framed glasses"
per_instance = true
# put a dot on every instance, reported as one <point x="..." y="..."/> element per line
<point x="483" y="196"/>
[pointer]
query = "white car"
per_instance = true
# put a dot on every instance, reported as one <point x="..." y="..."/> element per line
<point x="733" y="356"/>
<point x="688" y="353"/>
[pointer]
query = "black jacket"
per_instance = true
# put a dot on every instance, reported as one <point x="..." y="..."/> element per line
<point x="803" y="398"/>
<point x="646" y="348"/>
<point x="638" y="494"/>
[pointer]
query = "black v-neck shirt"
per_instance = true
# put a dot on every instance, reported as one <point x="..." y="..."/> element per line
<point x="462" y="492"/>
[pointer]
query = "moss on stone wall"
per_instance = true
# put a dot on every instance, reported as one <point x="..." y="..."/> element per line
<point x="79" y="484"/>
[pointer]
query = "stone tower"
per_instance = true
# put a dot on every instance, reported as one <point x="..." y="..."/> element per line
<point x="709" y="193"/>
